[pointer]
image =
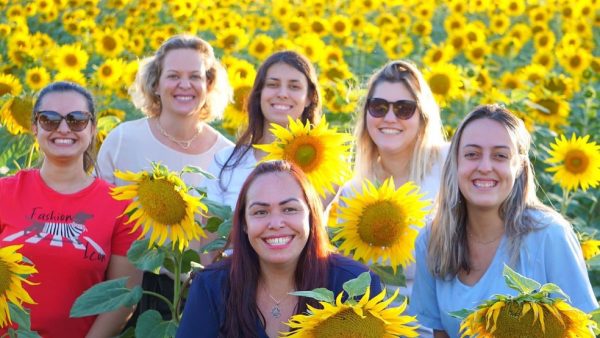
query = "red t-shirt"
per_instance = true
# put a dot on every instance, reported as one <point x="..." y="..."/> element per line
<point x="69" y="238"/>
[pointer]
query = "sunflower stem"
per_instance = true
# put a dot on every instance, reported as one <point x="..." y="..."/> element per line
<point x="178" y="258"/>
<point x="158" y="295"/>
<point x="564" y="205"/>
<point x="30" y="155"/>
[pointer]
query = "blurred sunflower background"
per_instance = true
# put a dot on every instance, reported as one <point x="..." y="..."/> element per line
<point x="539" y="58"/>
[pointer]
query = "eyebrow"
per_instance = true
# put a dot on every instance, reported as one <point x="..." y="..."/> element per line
<point x="478" y="146"/>
<point x="278" y="79"/>
<point x="264" y="204"/>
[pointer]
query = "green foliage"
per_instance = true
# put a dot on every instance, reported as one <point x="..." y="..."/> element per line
<point x="357" y="286"/>
<point x="151" y="325"/>
<point x="21" y="318"/>
<point x="105" y="297"/>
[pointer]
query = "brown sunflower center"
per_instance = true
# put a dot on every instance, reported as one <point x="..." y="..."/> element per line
<point x="21" y="111"/>
<point x="5" y="88"/>
<point x="306" y="152"/>
<point x="5" y="275"/>
<point x="576" y="161"/>
<point x="35" y="78"/>
<point x="550" y="105"/>
<point x="337" y="326"/>
<point x="440" y="84"/>
<point x="511" y="324"/>
<point x="107" y="71"/>
<point x="381" y="224"/>
<point x="109" y="43"/>
<point x="575" y="61"/>
<point x="71" y="60"/>
<point x="161" y="202"/>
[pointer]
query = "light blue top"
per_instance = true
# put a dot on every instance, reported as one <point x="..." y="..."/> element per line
<point x="551" y="254"/>
<point x="233" y="178"/>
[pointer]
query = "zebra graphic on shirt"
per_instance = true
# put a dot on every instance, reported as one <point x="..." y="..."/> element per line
<point x="72" y="232"/>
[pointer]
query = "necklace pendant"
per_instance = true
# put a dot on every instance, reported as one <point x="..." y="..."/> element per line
<point x="275" y="311"/>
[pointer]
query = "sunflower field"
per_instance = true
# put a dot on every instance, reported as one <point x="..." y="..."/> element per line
<point x="539" y="58"/>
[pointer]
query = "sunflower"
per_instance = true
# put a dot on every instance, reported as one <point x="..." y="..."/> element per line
<point x="261" y="46"/>
<point x="12" y="274"/>
<point x="16" y="115"/>
<point x="9" y="84"/>
<point x="590" y="248"/>
<point x="71" y="76"/>
<point x="550" y="108"/>
<point x="109" y="73"/>
<point x="445" y="82"/>
<point x="70" y="57"/>
<point x="322" y="153"/>
<point x="37" y="78"/>
<point x="531" y="313"/>
<point x="367" y="318"/>
<point x="341" y="26"/>
<point x="576" y="162"/>
<point x="161" y="204"/>
<point x="574" y="60"/>
<point x="382" y="223"/>
<point x="232" y="39"/>
<point x="108" y="43"/>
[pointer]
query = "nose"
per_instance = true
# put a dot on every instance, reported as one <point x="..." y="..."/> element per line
<point x="63" y="127"/>
<point x="184" y="83"/>
<point x="276" y="222"/>
<point x="485" y="164"/>
<point x="390" y="116"/>
<point x="282" y="92"/>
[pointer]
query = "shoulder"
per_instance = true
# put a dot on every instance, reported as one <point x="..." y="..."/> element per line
<point x="214" y="273"/>
<point x="132" y="127"/>
<point x="547" y="221"/>
<point x="341" y="265"/>
<point x="24" y="176"/>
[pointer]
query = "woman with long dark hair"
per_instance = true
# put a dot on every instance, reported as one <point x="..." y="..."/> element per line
<point x="280" y="246"/>
<point x="286" y="85"/>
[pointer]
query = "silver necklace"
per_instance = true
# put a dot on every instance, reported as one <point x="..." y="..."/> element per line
<point x="185" y="144"/>
<point x="275" y="310"/>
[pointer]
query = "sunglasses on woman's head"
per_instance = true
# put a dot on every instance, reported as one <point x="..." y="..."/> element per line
<point x="50" y="120"/>
<point x="403" y="109"/>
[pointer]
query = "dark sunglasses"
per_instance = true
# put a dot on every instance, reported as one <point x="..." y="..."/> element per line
<point x="50" y="120"/>
<point x="403" y="109"/>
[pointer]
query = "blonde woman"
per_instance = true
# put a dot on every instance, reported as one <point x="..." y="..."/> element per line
<point x="180" y="88"/>
<point x="488" y="215"/>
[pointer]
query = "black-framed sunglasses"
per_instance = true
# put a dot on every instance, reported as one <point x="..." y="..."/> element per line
<point x="49" y="120"/>
<point x="403" y="109"/>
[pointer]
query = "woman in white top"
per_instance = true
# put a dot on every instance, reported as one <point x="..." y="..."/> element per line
<point x="180" y="88"/>
<point x="399" y="135"/>
<point x="286" y="85"/>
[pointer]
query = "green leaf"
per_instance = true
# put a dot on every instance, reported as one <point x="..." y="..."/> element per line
<point x="189" y="256"/>
<point x="197" y="170"/>
<point x="213" y="223"/>
<point x="22" y="319"/>
<point x="358" y="286"/>
<point x="519" y="282"/>
<point x="553" y="288"/>
<point x="106" y="296"/>
<point x="217" y="244"/>
<point x="225" y="228"/>
<point x="388" y="276"/>
<point x="320" y="294"/>
<point x="19" y="316"/>
<point x="596" y="318"/>
<point x="220" y="210"/>
<point x="128" y="333"/>
<point x="151" y="325"/>
<point x="144" y="258"/>
<point x="460" y="314"/>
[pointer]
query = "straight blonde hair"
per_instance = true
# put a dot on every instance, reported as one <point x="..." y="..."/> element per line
<point x="430" y="137"/>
